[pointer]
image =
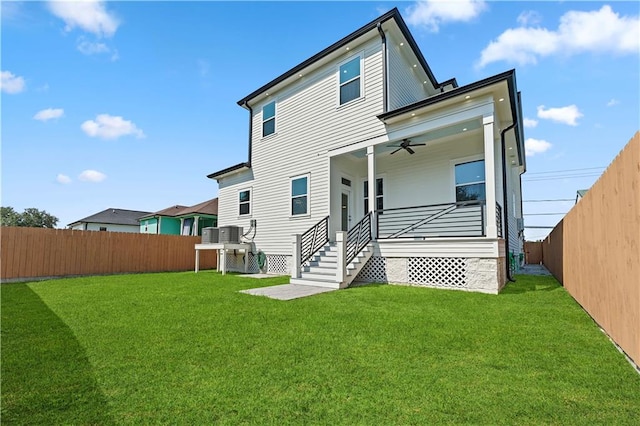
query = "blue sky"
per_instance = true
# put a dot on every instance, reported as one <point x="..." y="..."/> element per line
<point x="131" y="104"/>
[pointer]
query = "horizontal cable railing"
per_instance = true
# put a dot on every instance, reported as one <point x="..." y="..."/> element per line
<point x="499" y="219"/>
<point x="314" y="239"/>
<point x="461" y="219"/>
<point x="358" y="237"/>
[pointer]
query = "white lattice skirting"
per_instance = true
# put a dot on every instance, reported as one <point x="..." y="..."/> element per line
<point x="473" y="274"/>
<point x="278" y="264"/>
<point x="235" y="262"/>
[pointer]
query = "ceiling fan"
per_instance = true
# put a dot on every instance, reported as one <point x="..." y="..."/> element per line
<point x="406" y="144"/>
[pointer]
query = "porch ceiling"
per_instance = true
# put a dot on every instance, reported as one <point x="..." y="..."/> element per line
<point x="432" y="137"/>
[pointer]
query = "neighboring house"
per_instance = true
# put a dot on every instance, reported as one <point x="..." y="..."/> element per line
<point x="181" y="220"/>
<point x="580" y="194"/>
<point x="422" y="176"/>
<point x="114" y="220"/>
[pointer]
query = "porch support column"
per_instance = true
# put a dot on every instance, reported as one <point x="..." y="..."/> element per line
<point x="194" y="231"/>
<point x="491" y="229"/>
<point x="371" y="176"/>
<point x="341" y="268"/>
<point x="295" y="250"/>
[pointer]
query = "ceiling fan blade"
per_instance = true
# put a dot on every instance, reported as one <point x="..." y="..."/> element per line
<point x="396" y="151"/>
<point x="418" y="144"/>
<point x="410" y="150"/>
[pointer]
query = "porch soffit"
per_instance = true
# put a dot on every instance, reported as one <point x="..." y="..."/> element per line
<point x="427" y="127"/>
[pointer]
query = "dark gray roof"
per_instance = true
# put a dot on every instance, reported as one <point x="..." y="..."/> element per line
<point x="113" y="217"/>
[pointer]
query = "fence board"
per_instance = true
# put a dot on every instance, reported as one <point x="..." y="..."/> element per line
<point x="599" y="242"/>
<point x="533" y="252"/>
<point x="37" y="252"/>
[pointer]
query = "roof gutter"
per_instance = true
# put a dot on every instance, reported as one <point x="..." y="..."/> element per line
<point x="246" y="104"/>
<point x="385" y="89"/>
<point x="505" y="199"/>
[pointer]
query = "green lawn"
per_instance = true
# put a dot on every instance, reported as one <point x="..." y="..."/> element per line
<point x="184" y="348"/>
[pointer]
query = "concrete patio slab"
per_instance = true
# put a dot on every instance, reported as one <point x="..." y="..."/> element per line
<point x="260" y="276"/>
<point x="533" y="270"/>
<point x="287" y="291"/>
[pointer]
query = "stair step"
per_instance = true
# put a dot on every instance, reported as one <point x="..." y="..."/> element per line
<point x="320" y="269"/>
<point x="330" y="277"/>
<point x="315" y="283"/>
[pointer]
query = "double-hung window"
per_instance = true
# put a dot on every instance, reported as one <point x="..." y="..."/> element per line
<point x="379" y="195"/>
<point x="244" y="202"/>
<point x="300" y="195"/>
<point x="269" y="119"/>
<point x="350" y="80"/>
<point x="470" y="181"/>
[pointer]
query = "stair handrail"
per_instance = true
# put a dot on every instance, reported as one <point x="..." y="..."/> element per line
<point x="314" y="239"/>
<point x="358" y="237"/>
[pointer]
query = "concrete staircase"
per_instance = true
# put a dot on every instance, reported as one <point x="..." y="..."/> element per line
<point x="322" y="268"/>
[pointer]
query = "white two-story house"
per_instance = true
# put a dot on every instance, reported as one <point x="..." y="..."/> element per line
<point x="363" y="167"/>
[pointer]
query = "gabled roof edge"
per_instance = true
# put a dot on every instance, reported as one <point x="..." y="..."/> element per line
<point x="233" y="168"/>
<point x="392" y="14"/>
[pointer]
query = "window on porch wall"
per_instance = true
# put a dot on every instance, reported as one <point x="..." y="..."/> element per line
<point x="379" y="195"/>
<point x="470" y="181"/>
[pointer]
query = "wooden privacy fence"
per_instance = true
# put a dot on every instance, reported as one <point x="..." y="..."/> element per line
<point x="595" y="250"/>
<point x="38" y="252"/>
<point x="532" y="252"/>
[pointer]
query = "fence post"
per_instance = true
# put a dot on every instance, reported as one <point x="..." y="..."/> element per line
<point x="295" y="267"/>
<point x="341" y="243"/>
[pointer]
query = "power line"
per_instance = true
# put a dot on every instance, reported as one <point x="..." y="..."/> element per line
<point x="545" y="201"/>
<point x="563" y="171"/>
<point x="559" y="177"/>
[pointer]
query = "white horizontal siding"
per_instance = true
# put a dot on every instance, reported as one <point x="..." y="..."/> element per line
<point x="113" y="228"/>
<point x="482" y="248"/>
<point x="405" y="86"/>
<point x="309" y="121"/>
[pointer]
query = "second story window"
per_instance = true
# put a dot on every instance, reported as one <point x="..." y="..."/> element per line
<point x="244" y="202"/>
<point x="350" y="81"/>
<point x="269" y="119"/>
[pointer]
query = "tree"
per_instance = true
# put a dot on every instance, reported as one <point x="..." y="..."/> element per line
<point x="31" y="217"/>
<point x="9" y="216"/>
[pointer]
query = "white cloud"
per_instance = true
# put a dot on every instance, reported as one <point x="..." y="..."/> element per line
<point x="599" y="31"/>
<point x="89" y="15"/>
<point x="529" y="17"/>
<point x="567" y="115"/>
<point x="63" y="179"/>
<point x="535" y="146"/>
<point x="108" y="126"/>
<point x="91" y="48"/>
<point x="10" y="83"/>
<point x="92" y="176"/>
<point x="530" y="122"/>
<point x="49" y="114"/>
<point x="613" y="102"/>
<point x="432" y="13"/>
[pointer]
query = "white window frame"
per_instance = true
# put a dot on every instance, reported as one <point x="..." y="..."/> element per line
<point x="384" y="191"/>
<point x="291" y="179"/>
<point x="462" y="160"/>
<point x="250" y="202"/>
<point x="274" y="118"/>
<point x="361" y="76"/>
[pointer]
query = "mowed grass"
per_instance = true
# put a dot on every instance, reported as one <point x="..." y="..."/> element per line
<point x="184" y="348"/>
